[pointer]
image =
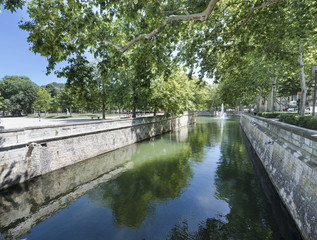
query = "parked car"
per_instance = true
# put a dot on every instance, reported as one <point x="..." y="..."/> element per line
<point x="291" y="110"/>
<point x="292" y="104"/>
<point x="310" y="110"/>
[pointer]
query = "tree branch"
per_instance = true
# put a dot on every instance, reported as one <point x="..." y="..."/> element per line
<point x="252" y="10"/>
<point x="175" y="11"/>
<point x="203" y="16"/>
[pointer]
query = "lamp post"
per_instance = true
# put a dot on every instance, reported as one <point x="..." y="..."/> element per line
<point x="314" y="71"/>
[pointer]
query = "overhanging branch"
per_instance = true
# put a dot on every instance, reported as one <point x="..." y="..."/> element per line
<point x="203" y="16"/>
<point x="175" y="11"/>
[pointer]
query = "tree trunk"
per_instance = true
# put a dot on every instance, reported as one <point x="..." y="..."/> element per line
<point x="103" y="110"/>
<point x="134" y="111"/>
<point x="302" y="81"/>
<point x="134" y="107"/>
<point x="271" y="96"/>
<point x="258" y="102"/>
<point x="70" y="111"/>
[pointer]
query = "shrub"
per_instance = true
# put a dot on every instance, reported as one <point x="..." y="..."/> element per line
<point x="303" y="121"/>
<point x="313" y="123"/>
<point x="307" y="121"/>
<point x="269" y="114"/>
<point x="288" y="118"/>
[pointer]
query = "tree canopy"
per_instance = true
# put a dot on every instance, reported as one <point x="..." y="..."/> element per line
<point x="42" y="103"/>
<point x="60" y="29"/>
<point x="247" y="46"/>
<point x="12" y="5"/>
<point x="19" y="93"/>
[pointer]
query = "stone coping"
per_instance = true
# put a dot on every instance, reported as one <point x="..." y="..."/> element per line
<point x="303" y="132"/>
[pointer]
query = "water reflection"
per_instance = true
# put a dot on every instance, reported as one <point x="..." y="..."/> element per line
<point x="196" y="183"/>
<point x="25" y="205"/>
<point x="131" y="195"/>
<point x="251" y="216"/>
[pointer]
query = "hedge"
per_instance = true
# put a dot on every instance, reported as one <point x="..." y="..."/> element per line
<point x="271" y="114"/>
<point x="306" y="121"/>
<point x="290" y="118"/>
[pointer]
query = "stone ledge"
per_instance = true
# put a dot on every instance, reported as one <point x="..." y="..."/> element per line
<point x="304" y="132"/>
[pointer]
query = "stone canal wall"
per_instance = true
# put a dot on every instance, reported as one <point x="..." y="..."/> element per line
<point x="26" y="205"/>
<point x="26" y="153"/>
<point x="289" y="155"/>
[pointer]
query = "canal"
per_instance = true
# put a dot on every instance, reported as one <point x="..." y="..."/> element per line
<point x="200" y="182"/>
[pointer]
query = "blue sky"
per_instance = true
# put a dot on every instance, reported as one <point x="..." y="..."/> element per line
<point x="15" y="56"/>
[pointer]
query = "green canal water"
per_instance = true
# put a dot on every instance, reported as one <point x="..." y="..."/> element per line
<point x="200" y="182"/>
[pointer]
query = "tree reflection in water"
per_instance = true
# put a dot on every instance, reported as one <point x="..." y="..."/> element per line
<point x="132" y="195"/>
<point x="236" y="183"/>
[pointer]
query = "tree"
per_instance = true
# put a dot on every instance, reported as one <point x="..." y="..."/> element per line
<point x="212" y="97"/>
<point x="66" y="100"/>
<point x="19" y="93"/>
<point x="12" y="5"/>
<point x="174" y="95"/>
<point x="126" y="16"/>
<point x="54" y="88"/>
<point x="42" y="103"/>
<point x="118" y="26"/>
<point x="54" y="104"/>
<point x="1" y="101"/>
<point x="253" y="60"/>
<point x="288" y="86"/>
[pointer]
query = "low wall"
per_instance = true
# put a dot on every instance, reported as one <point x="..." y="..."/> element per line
<point x="289" y="155"/>
<point x="206" y="113"/>
<point x="26" y="153"/>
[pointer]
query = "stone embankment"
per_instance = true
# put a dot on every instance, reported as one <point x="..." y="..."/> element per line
<point x="289" y="155"/>
<point x="30" y="152"/>
<point x="24" y="206"/>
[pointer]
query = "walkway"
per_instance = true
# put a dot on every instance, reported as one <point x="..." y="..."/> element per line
<point x="23" y="122"/>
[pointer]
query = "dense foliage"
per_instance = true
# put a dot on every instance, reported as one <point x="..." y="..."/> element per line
<point x="19" y="93"/>
<point x="117" y="33"/>
<point x="253" y="49"/>
<point x="42" y="103"/>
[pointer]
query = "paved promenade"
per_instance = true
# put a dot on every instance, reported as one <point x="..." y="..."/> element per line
<point x="23" y="122"/>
